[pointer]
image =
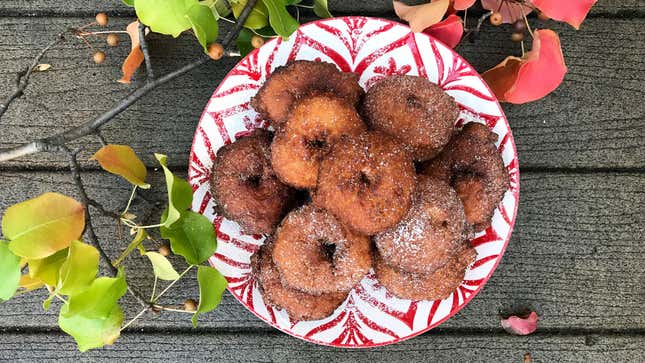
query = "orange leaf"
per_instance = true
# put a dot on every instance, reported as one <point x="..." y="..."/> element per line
<point x="571" y="11"/>
<point x="28" y="283"/>
<point x="526" y="79"/>
<point x="448" y="31"/>
<point x="421" y="16"/>
<point x="121" y="160"/>
<point x="511" y="11"/>
<point x="462" y="4"/>
<point x="135" y="58"/>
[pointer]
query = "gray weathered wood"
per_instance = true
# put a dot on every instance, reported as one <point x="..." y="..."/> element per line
<point x="594" y="119"/>
<point x="576" y="256"/>
<point x="276" y="347"/>
<point x="356" y="7"/>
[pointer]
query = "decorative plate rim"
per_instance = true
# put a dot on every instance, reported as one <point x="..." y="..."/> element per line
<point x="515" y="192"/>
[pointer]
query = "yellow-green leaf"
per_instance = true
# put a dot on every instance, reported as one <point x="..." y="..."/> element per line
<point x="192" y="237"/>
<point x="9" y="271"/>
<point x="211" y="287"/>
<point x="162" y="267"/>
<point x="136" y="243"/>
<point x="41" y="226"/>
<point x="259" y="16"/>
<point x="180" y="194"/>
<point x="321" y="9"/>
<point x="280" y="19"/>
<point x="48" y="269"/>
<point x="121" y="160"/>
<point x="79" y="269"/>
<point x="29" y="283"/>
<point x="204" y="24"/>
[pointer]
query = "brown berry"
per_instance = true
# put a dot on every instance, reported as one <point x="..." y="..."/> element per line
<point x="496" y="18"/>
<point x="190" y="305"/>
<point x="517" y="37"/>
<point x="98" y="57"/>
<point x="542" y="16"/>
<point x="164" y="250"/>
<point x="257" y="41"/>
<point x="519" y="26"/>
<point x="112" y="40"/>
<point x="215" y="51"/>
<point x="101" y="19"/>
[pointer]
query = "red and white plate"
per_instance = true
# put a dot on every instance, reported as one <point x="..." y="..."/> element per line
<point x="372" y="48"/>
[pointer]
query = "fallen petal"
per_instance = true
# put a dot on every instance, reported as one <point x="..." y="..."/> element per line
<point x="520" y="326"/>
<point x="462" y="4"/>
<point x="135" y="58"/>
<point x="526" y="79"/>
<point x="449" y="31"/>
<point x="571" y="11"/>
<point x="511" y="11"/>
<point x="422" y="16"/>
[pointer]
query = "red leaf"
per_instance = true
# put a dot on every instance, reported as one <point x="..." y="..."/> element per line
<point x="135" y="58"/>
<point x="526" y="79"/>
<point x="570" y="11"/>
<point x="421" y="16"/>
<point x="511" y="11"/>
<point x="448" y="31"/>
<point x="462" y="4"/>
<point x="521" y="326"/>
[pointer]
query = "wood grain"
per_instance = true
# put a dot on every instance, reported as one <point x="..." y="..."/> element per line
<point x="354" y="7"/>
<point x="595" y="119"/>
<point x="276" y="347"/>
<point x="576" y="256"/>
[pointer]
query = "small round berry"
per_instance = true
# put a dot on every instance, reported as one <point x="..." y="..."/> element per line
<point x="517" y="37"/>
<point x="112" y="40"/>
<point x="164" y="250"/>
<point x="496" y="18"/>
<point x="101" y="19"/>
<point x="257" y="41"/>
<point x="215" y="51"/>
<point x="519" y="26"/>
<point x="190" y="305"/>
<point x="98" y="57"/>
<point x="542" y="16"/>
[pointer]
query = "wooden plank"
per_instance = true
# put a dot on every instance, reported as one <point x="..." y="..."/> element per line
<point x="576" y="256"/>
<point x="580" y="125"/>
<point x="355" y="7"/>
<point x="277" y="347"/>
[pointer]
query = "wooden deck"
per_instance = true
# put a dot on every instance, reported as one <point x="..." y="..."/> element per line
<point x="577" y="255"/>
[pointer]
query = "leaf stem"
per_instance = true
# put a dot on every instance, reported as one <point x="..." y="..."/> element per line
<point x="161" y="307"/>
<point x="154" y="288"/>
<point x="528" y="27"/>
<point x="172" y="283"/>
<point x="134" y="190"/>
<point x="134" y="319"/>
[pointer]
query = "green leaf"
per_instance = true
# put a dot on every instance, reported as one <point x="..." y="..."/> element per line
<point x="48" y="269"/>
<point x="258" y="18"/>
<point x="47" y="302"/>
<point x="243" y="42"/>
<point x="9" y="271"/>
<point x="280" y="19"/>
<point x="192" y="237"/>
<point x="79" y="270"/>
<point x="93" y="318"/>
<point x="41" y="226"/>
<point x="204" y="24"/>
<point x="136" y="243"/>
<point x="165" y="16"/>
<point x="129" y="2"/>
<point x="162" y="267"/>
<point x="293" y="2"/>
<point x="180" y="194"/>
<point x="211" y="287"/>
<point x="220" y="8"/>
<point x="321" y="9"/>
<point x="121" y="160"/>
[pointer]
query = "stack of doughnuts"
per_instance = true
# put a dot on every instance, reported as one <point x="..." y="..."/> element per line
<point x="389" y="185"/>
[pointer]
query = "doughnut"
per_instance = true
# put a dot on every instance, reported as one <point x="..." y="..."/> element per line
<point x="414" y="110"/>
<point x="313" y="125"/>
<point x="316" y="254"/>
<point x="244" y="186"/>
<point x="299" y="305"/>
<point x="367" y="182"/>
<point x="471" y="164"/>
<point x="298" y="78"/>
<point x="437" y="285"/>
<point x="429" y="234"/>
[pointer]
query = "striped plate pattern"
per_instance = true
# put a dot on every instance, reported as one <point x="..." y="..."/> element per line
<point x="373" y="48"/>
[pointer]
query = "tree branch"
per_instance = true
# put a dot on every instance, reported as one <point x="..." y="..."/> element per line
<point x="54" y="142"/>
<point x="146" y="54"/>
<point x="23" y="79"/>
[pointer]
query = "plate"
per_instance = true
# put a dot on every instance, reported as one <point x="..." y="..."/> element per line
<point x="373" y="48"/>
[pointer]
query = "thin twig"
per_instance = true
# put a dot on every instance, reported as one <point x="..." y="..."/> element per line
<point x="146" y="54"/>
<point x="23" y="80"/>
<point x="172" y="283"/>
